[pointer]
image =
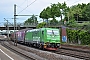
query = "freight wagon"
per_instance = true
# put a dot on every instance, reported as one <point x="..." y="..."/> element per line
<point x="19" y="35"/>
<point x="44" y="38"/>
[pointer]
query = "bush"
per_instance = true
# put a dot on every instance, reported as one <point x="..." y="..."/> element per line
<point x="78" y="35"/>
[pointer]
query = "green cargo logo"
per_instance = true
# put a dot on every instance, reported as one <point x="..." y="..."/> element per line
<point x="36" y="38"/>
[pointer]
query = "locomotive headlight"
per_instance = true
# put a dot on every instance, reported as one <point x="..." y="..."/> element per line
<point x="58" y="44"/>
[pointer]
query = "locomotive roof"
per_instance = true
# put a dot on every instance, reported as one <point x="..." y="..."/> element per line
<point x="22" y="30"/>
<point x="41" y="29"/>
<point x="48" y="28"/>
<point x="30" y="29"/>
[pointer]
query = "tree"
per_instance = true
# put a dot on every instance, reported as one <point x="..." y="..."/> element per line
<point x="46" y="13"/>
<point x="55" y="11"/>
<point x="87" y="12"/>
<point x="63" y="9"/>
<point x="42" y="15"/>
<point x="31" y="21"/>
<point x="77" y="12"/>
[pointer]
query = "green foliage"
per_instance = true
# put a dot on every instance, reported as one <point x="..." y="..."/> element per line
<point x="53" y="11"/>
<point x="78" y="12"/>
<point x="63" y="7"/>
<point x="75" y="35"/>
<point x="40" y="25"/>
<point x="31" y="20"/>
<point x="42" y="14"/>
<point x="71" y="23"/>
<point x="72" y="36"/>
<point x="84" y="36"/>
<point x="53" y="22"/>
<point x="87" y="11"/>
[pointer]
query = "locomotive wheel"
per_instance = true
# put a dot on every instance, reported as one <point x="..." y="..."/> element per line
<point x="41" y="46"/>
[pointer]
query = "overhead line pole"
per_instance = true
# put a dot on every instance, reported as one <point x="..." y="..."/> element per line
<point x="14" y="23"/>
<point x="7" y="28"/>
<point x="15" y="26"/>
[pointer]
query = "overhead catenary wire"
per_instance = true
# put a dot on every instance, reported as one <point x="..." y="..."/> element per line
<point x="66" y="0"/>
<point x="22" y="8"/>
<point x="22" y="2"/>
<point x="72" y="2"/>
<point x="75" y="2"/>
<point x="18" y="6"/>
<point x="27" y="6"/>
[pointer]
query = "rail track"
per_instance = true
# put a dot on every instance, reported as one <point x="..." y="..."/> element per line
<point x="83" y="55"/>
<point x="74" y="53"/>
<point x="15" y="51"/>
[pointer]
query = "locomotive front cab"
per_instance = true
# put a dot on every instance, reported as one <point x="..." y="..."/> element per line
<point x="52" y="39"/>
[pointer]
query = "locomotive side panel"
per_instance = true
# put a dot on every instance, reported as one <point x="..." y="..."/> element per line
<point x="33" y="36"/>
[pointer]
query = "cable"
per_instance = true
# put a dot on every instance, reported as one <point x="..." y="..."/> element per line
<point x="22" y="8"/>
<point x="27" y="6"/>
<point x="67" y="0"/>
<point x="23" y="2"/>
<point x="75" y="2"/>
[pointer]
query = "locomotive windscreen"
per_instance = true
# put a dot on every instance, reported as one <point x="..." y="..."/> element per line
<point x="52" y="32"/>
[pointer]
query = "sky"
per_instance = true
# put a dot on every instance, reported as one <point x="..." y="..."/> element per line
<point x="28" y="7"/>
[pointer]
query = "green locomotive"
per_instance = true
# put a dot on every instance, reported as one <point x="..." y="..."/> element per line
<point x="44" y="38"/>
<point x="47" y="38"/>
